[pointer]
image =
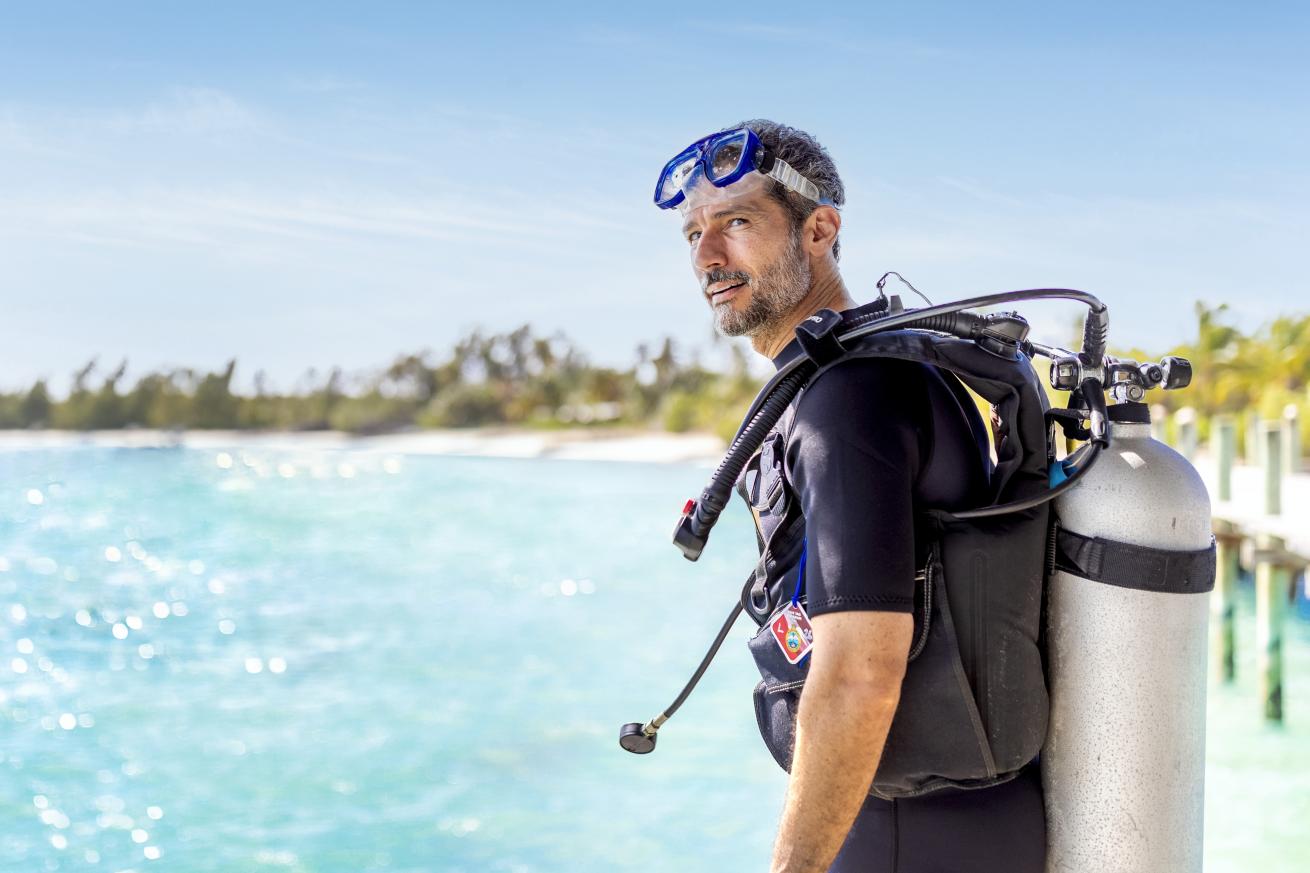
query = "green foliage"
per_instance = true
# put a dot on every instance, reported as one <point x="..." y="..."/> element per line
<point x="1241" y="374"/>
<point x="679" y="413"/>
<point x="464" y="405"/>
<point x="35" y="411"/>
<point x="515" y="378"/>
<point x="213" y="404"/>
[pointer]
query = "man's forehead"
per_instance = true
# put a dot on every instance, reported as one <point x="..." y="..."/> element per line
<point x="704" y="201"/>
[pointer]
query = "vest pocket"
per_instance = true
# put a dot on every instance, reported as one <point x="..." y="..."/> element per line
<point x="995" y="593"/>
<point x="777" y="696"/>
<point x="775" y="715"/>
<point x="937" y="737"/>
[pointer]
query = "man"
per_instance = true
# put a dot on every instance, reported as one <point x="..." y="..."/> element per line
<point x="869" y="444"/>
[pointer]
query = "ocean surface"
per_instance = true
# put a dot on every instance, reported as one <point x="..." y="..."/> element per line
<point x="260" y="659"/>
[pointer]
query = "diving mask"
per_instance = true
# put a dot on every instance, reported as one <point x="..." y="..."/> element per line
<point x="723" y="158"/>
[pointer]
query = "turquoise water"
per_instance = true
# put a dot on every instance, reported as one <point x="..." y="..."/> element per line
<point x="342" y="661"/>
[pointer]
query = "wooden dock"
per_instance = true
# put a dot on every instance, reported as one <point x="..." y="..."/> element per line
<point x="1262" y="529"/>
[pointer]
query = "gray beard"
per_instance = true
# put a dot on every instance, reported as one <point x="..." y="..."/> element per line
<point x="775" y="292"/>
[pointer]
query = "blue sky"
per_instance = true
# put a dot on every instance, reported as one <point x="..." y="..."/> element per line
<point x="305" y="185"/>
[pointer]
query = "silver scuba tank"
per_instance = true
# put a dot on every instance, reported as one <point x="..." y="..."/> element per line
<point x="1124" y="762"/>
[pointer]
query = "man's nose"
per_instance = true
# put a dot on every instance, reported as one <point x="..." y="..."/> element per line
<point x="709" y="252"/>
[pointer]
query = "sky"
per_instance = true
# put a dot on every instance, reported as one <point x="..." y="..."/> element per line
<point x="306" y="185"/>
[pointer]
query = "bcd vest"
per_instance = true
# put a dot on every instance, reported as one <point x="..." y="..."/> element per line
<point x="973" y="705"/>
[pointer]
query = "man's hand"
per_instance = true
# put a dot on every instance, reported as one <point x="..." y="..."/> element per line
<point x="850" y="695"/>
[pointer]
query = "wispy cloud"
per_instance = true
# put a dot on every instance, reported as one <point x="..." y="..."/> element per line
<point x="980" y="192"/>
<point x="19" y="137"/>
<point x="188" y="111"/>
<point x="832" y="35"/>
<point x="253" y="222"/>
<point x="324" y="83"/>
<point x="178" y="114"/>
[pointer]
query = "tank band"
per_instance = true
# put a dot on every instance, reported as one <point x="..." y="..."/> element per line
<point x="1139" y="567"/>
<point x="1129" y="413"/>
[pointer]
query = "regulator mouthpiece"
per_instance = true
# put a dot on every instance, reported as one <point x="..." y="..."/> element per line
<point x="1177" y="372"/>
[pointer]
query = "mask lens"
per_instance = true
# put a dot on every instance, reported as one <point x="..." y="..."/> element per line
<point x="676" y="176"/>
<point x="726" y="157"/>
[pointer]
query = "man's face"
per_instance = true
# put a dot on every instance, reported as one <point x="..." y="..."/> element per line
<point x="746" y="257"/>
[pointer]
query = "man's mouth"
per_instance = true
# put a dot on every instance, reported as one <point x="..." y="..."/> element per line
<point x="723" y="295"/>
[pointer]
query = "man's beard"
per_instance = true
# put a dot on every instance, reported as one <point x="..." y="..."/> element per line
<point x="775" y="292"/>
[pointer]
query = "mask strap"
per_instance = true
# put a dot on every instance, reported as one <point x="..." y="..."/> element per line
<point x="782" y="172"/>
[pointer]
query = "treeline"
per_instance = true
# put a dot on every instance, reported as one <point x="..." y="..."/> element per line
<point x="515" y="378"/>
<point x="1246" y="375"/>
<point x="519" y="378"/>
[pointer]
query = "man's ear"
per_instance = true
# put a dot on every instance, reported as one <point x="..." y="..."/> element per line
<point x="820" y="231"/>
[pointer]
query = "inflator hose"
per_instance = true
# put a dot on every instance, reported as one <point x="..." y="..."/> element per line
<point x="749" y="438"/>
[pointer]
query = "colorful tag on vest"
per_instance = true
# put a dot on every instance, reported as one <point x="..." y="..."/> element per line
<point x="792" y="632"/>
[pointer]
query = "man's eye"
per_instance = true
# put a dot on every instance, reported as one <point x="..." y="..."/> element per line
<point x="693" y="236"/>
<point x="737" y="220"/>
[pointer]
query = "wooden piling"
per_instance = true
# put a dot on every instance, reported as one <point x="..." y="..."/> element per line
<point x="1272" y="580"/>
<point x="1159" y="417"/>
<point x="1185" y="421"/>
<point x="1291" y="440"/>
<point x="1253" y="437"/>
<point x="1223" y="436"/>
<point x="1271" y="440"/>
<point x="1223" y="601"/>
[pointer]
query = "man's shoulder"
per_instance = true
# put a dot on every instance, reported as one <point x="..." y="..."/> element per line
<point x="858" y="369"/>
<point x="864" y="383"/>
<point x="862" y="399"/>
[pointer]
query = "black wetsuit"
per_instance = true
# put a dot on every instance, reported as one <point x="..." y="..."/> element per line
<point x="873" y="440"/>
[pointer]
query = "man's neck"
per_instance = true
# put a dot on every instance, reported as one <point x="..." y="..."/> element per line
<point x="828" y="292"/>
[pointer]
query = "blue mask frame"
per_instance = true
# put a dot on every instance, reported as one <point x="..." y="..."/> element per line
<point x="702" y="156"/>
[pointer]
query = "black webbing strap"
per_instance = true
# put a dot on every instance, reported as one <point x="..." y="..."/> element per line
<point x="818" y="337"/>
<point x="1139" y="567"/>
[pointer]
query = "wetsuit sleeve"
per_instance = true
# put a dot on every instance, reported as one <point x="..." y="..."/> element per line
<point x="854" y="453"/>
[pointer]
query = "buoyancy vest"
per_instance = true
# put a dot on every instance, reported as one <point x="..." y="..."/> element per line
<point x="973" y="705"/>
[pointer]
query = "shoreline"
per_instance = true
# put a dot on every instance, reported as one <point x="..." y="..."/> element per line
<point x="576" y="444"/>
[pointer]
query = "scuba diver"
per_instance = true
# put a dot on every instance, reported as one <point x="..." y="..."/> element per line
<point x="937" y="605"/>
<point x="840" y="492"/>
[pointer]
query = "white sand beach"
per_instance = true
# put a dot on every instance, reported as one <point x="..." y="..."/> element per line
<point x="579" y="444"/>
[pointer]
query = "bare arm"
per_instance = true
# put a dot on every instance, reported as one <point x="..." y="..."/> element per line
<point x="850" y="695"/>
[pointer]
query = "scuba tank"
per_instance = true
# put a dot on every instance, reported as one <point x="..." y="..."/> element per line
<point x="1127" y="610"/>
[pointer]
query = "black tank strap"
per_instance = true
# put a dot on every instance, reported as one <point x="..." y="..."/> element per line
<point x="1139" y="567"/>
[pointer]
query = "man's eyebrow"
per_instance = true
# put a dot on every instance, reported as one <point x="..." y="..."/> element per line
<point x="723" y="213"/>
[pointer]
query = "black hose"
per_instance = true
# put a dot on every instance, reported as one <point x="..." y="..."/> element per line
<point x="749" y="438"/>
<point x="1096" y="330"/>
<point x="1046" y="496"/>
<point x="704" y="664"/>
<point x="879" y="322"/>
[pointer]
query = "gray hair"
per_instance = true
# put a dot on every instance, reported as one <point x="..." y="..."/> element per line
<point x="807" y="157"/>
